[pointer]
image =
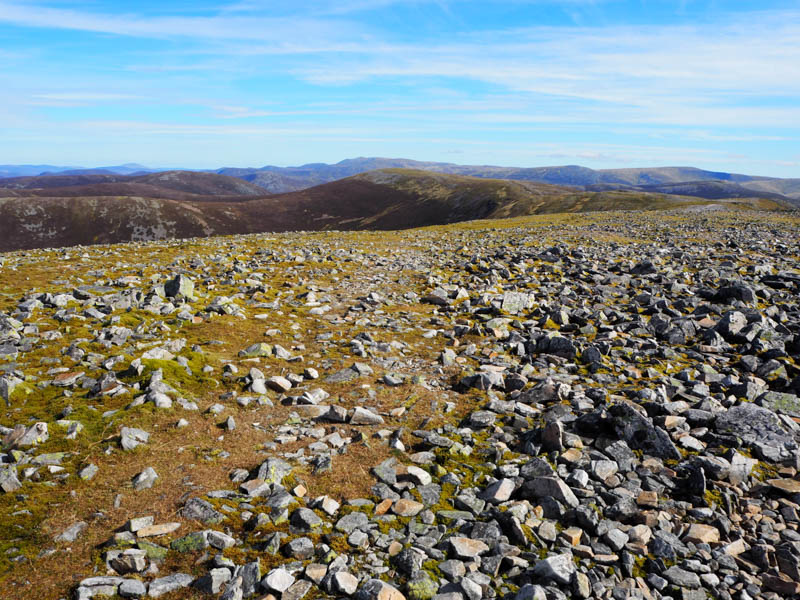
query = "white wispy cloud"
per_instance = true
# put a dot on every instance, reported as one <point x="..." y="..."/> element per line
<point x="132" y="127"/>
<point x="735" y="80"/>
<point x="278" y="29"/>
<point x="69" y="99"/>
<point x="86" y="96"/>
<point x="716" y="74"/>
<point x="337" y="7"/>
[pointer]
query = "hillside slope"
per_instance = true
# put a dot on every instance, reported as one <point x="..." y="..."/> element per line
<point x="34" y="170"/>
<point x="283" y="179"/>
<point x="279" y="180"/>
<point x="174" y="185"/>
<point x="381" y="200"/>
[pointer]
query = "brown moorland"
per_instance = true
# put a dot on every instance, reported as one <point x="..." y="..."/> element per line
<point x="166" y="206"/>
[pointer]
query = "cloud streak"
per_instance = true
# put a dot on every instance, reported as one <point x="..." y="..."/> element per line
<point x="250" y="69"/>
<point x="277" y="29"/>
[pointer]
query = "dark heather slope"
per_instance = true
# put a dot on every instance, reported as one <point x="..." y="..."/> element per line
<point x="284" y="179"/>
<point x="381" y="200"/>
<point x="278" y="180"/>
<point x="167" y="184"/>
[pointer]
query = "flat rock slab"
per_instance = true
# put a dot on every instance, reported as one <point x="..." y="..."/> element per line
<point x="466" y="548"/>
<point x="790" y="486"/>
<point x="702" y="534"/>
<point x="170" y="583"/>
<point x="760" y="428"/>
<point x="156" y="530"/>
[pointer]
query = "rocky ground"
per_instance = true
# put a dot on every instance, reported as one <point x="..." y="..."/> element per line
<point x="593" y="406"/>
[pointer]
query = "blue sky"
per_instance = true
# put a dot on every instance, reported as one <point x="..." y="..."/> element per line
<point x="602" y="83"/>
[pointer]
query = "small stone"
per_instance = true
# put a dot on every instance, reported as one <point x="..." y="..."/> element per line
<point x="375" y="589"/>
<point x="467" y="548"/>
<point x="417" y="475"/>
<point x="300" y="548"/>
<point x="616" y="539"/>
<point x="134" y="525"/>
<point x="212" y="582"/>
<point x="557" y="568"/>
<point x="156" y="530"/>
<point x="362" y="416"/>
<point x="344" y="583"/>
<point x="640" y="534"/>
<point x="255" y="488"/>
<point x="782" y="585"/>
<point x="316" y="572"/>
<point x="132" y="588"/>
<point x="647" y="499"/>
<point x="499" y="491"/>
<point x="407" y="508"/>
<point x="72" y="532"/>
<point x="553" y="487"/>
<point x="131" y="560"/>
<point x="581" y="585"/>
<point x="145" y="479"/>
<point x="256" y="350"/>
<point x="305" y="520"/>
<point x="9" y="482"/>
<point x="88" y="472"/>
<point x="219" y="540"/>
<point x="603" y="469"/>
<point x="471" y="589"/>
<point x="682" y="578"/>
<point x="197" y="540"/>
<point x="297" y="591"/>
<point x="516" y="302"/>
<point x="349" y="523"/>
<point x="201" y="510"/>
<point x="482" y="418"/>
<point x="328" y="505"/>
<point x="279" y="384"/>
<point x="789" y="486"/>
<point x="273" y="470"/>
<point x="180" y="285"/>
<point x="530" y="592"/>
<point x="130" y="437"/>
<point x="278" y="580"/>
<point x="572" y="535"/>
<point x="702" y="534"/>
<point x="734" y="548"/>
<point x="165" y="585"/>
<point x="452" y="569"/>
<point x="383" y="506"/>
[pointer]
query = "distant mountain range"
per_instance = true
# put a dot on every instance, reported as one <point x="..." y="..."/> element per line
<point x="68" y="210"/>
<point x="678" y="180"/>
<point x="705" y="184"/>
<point x="87" y="206"/>
<point x="170" y="185"/>
<point x="34" y="170"/>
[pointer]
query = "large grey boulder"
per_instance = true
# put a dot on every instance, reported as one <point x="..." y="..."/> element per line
<point x="8" y="383"/>
<point x="761" y="429"/>
<point x="130" y="437"/>
<point x="641" y="434"/>
<point x="180" y="285"/>
<point x="170" y="583"/>
<point x="375" y="589"/>
<point x="9" y="482"/>
<point x="557" y="568"/>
